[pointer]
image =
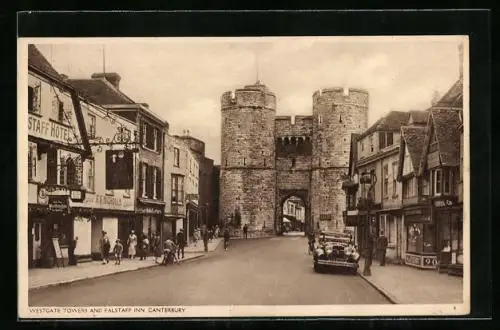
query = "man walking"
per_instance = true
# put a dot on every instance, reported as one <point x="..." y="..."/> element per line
<point x="226" y="238"/>
<point x="245" y="231"/>
<point x="382" y="243"/>
<point x="181" y="242"/>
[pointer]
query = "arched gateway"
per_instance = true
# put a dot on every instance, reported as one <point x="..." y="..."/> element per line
<point x="267" y="158"/>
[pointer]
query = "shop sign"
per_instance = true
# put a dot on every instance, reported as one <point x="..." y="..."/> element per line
<point x="413" y="260"/>
<point x="430" y="262"/>
<point x="444" y="202"/>
<point x="44" y="191"/>
<point x="49" y="130"/>
<point x="97" y="201"/>
<point x="58" y="204"/>
<point x="418" y="215"/>
<point x="149" y="210"/>
<point x="77" y="195"/>
<point x="352" y="212"/>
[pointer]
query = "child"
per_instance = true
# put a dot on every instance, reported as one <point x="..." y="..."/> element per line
<point x="118" y="250"/>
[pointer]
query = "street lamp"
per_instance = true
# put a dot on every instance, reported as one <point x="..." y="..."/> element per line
<point x="365" y="179"/>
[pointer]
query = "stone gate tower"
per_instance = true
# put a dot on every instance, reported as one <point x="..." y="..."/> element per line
<point x="337" y="113"/>
<point x="248" y="176"/>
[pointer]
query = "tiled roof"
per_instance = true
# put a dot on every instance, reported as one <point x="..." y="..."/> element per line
<point x="453" y="97"/>
<point x="391" y="122"/>
<point x="100" y="91"/>
<point x="37" y="60"/>
<point x="446" y="125"/>
<point x="414" y="137"/>
<point x="419" y="117"/>
<point x="447" y="130"/>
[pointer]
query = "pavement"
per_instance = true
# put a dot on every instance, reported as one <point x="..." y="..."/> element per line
<point x="199" y="247"/>
<point x="40" y="278"/>
<point x="275" y="271"/>
<point x="403" y="284"/>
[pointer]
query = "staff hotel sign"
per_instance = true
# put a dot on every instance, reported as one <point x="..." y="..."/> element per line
<point x="49" y="130"/>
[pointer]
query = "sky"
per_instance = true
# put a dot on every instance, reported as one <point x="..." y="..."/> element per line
<point x="182" y="79"/>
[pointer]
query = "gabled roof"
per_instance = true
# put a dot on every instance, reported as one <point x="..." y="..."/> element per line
<point x="38" y="61"/>
<point x="412" y="138"/>
<point x="418" y="117"/>
<point x="445" y="125"/>
<point x="453" y="97"/>
<point x="100" y="91"/>
<point x="390" y="122"/>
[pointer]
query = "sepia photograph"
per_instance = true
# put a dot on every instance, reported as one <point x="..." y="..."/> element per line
<point x="243" y="176"/>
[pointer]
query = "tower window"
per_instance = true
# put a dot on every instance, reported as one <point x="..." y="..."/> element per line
<point x="244" y="161"/>
<point x="340" y="119"/>
<point x="293" y="162"/>
<point x="264" y="162"/>
<point x="226" y="162"/>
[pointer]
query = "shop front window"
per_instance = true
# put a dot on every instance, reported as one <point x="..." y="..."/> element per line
<point x="457" y="237"/>
<point x="414" y="234"/>
<point x="428" y="242"/>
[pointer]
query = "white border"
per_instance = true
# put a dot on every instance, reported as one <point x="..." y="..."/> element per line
<point x="228" y="311"/>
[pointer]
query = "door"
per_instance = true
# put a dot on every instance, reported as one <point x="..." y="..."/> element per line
<point x="36" y="243"/>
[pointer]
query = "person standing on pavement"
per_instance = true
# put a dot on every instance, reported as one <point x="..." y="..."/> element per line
<point x="143" y="248"/>
<point x="205" y="238"/>
<point x="118" y="250"/>
<point x="73" y="261"/>
<point x="226" y="238"/>
<point x="132" y="243"/>
<point x="157" y="246"/>
<point x="382" y="243"/>
<point x="245" y="231"/>
<point x="104" y="246"/>
<point x="181" y="243"/>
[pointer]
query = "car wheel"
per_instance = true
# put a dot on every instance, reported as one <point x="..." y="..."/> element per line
<point x="317" y="268"/>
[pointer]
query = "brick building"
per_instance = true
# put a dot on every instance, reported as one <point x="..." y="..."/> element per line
<point x="265" y="159"/>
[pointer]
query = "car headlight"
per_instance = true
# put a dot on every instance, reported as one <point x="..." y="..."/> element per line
<point x="347" y="251"/>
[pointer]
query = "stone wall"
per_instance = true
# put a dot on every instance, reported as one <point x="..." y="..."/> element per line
<point x="250" y="190"/>
<point x="327" y="198"/>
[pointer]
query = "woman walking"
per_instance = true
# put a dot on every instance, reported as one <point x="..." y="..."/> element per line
<point x="143" y="248"/>
<point x="132" y="243"/>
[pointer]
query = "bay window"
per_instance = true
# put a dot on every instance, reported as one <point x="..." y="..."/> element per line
<point x="386" y="180"/>
<point x="177" y="189"/>
<point x="442" y="181"/>
<point x="151" y="137"/>
<point x="90" y="175"/>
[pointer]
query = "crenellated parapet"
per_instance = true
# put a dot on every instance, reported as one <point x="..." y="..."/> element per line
<point x="251" y="96"/>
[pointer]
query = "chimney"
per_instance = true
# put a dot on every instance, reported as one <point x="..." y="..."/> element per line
<point x="113" y="77"/>
<point x="461" y="60"/>
<point x="63" y="76"/>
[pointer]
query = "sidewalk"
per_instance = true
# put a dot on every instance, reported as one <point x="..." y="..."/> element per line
<point x="407" y="285"/>
<point x="45" y="277"/>
<point x="199" y="247"/>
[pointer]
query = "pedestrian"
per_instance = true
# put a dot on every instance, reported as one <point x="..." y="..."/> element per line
<point x="205" y="238"/>
<point x="226" y="238"/>
<point x="143" y="247"/>
<point x="181" y="242"/>
<point x="132" y="243"/>
<point x="73" y="261"/>
<point x="170" y="248"/>
<point x="382" y="243"/>
<point x="104" y="246"/>
<point x="157" y="246"/>
<point x="245" y="231"/>
<point x="117" y="251"/>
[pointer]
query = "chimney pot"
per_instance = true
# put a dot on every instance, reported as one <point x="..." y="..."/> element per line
<point x="113" y="77"/>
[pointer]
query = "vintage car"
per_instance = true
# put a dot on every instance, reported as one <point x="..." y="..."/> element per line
<point x="335" y="250"/>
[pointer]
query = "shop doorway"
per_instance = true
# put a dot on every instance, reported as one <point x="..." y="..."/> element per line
<point x="35" y="244"/>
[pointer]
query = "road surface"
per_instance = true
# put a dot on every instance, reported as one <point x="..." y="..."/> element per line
<point x="268" y="271"/>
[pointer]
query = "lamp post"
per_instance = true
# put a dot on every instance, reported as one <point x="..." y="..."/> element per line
<point x="371" y="179"/>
